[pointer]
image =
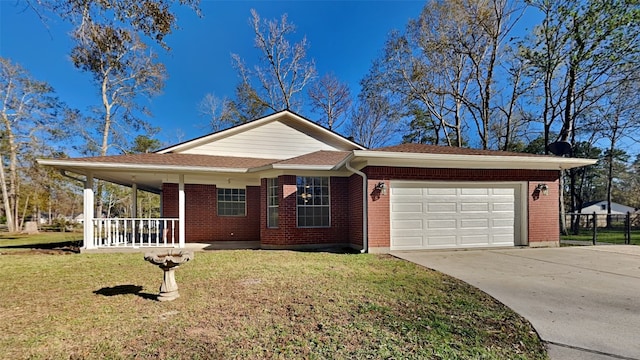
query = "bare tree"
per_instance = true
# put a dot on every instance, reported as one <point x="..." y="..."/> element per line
<point x="218" y="112"/>
<point x="330" y="98"/>
<point x="28" y="115"/>
<point x="446" y="65"/>
<point x="124" y="70"/>
<point x="582" y="50"/>
<point x="619" y="117"/>
<point x="283" y="73"/>
<point x="373" y="121"/>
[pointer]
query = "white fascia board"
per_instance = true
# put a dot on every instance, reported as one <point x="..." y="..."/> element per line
<point x="137" y="167"/>
<point x="292" y="167"/>
<point x="384" y="158"/>
<point x="302" y="167"/>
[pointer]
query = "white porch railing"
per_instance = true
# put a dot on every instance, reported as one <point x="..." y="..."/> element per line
<point x="135" y="232"/>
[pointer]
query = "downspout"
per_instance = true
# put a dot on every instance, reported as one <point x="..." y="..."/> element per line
<point x="365" y="227"/>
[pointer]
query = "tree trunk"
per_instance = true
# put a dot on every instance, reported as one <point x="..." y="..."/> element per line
<point x="563" y="207"/>
<point x="5" y="199"/>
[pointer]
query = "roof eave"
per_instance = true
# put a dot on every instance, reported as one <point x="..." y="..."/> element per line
<point x="427" y="160"/>
<point x="67" y="164"/>
<point x="303" y="167"/>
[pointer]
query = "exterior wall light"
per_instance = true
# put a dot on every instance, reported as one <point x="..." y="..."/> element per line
<point x="543" y="189"/>
<point x="382" y="188"/>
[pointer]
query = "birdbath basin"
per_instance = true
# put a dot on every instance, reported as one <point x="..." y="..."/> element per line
<point x="169" y="261"/>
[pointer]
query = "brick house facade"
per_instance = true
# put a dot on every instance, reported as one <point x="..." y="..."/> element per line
<point x="283" y="181"/>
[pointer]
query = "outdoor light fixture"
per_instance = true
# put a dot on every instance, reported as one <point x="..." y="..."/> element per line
<point x="543" y="188"/>
<point x="305" y="196"/>
<point x="382" y="188"/>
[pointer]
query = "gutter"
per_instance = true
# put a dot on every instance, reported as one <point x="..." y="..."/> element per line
<point x="64" y="173"/>
<point x="365" y="227"/>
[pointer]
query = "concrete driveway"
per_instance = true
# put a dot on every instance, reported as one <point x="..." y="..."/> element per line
<point x="583" y="301"/>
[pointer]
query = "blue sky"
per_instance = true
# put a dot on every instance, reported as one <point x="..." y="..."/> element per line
<point x="345" y="36"/>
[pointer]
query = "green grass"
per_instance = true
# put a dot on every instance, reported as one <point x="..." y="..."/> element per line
<point x="11" y="243"/>
<point x="604" y="235"/>
<point x="9" y="240"/>
<point x="251" y="305"/>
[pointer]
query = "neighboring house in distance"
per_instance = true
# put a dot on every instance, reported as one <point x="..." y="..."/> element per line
<point x="600" y="207"/>
<point x="284" y="182"/>
<point x="618" y="212"/>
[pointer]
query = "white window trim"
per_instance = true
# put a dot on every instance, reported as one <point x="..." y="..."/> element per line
<point x="218" y="202"/>
<point x="329" y="205"/>
<point x="277" y="195"/>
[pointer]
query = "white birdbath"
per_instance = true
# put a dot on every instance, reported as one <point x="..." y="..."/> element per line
<point x="169" y="262"/>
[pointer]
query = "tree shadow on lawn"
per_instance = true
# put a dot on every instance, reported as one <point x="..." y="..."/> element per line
<point x="63" y="246"/>
<point x="125" y="290"/>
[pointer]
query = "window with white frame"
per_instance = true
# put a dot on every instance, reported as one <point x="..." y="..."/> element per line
<point x="273" y="203"/>
<point x="232" y="202"/>
<point x="313" y="201"/>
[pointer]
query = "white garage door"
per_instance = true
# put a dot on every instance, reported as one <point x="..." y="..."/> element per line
<point x="438" y="216"/>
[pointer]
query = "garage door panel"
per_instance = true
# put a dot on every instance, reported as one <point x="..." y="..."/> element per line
<point x="440" y="191"/>
<point x="415" y="224"/>
<point x="503" y="206"/>
<point x="503" y="191"/>
<point x="506" y="239"/>
<point x="408" y="242"/>
<point x="464" y="216"/>
<point x="474" y="191"/>
<point x="441" y="224"/>
<point x="406" y="208"/>
<point x="445" y="207"/>
<point x="474" y="223"/>
<point x="406" y="191"/>
<point x="440" y="241"/>
<point x="477" y="240"/>
<point x="506" y="222"/>
<point x="474" y="207"/>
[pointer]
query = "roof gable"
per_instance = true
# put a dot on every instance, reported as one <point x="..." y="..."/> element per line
<point x="282" y="135"/>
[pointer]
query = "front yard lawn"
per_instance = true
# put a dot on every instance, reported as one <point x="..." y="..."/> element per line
<point x="615" y="236"/>
<point x="250" y="305"/>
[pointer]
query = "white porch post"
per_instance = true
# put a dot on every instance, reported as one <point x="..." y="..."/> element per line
<point x="88" y="206"/>
<point x="181" y="211"/>
<point x="134" y="200"/>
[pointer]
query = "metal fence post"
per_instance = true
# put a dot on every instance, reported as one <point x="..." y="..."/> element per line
<point x="627" y="228"/>
<point x="595" y="227"/>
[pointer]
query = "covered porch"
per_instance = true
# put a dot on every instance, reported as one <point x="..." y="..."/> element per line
<point x="171" y="176"/>
<point x="134" y="232"/>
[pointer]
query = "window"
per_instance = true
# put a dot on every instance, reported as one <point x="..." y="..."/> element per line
<point x="313" y="201"/>
<point x="272" y="203"/>
<point x="603" y="206"/>
<point x="231" y="202"/>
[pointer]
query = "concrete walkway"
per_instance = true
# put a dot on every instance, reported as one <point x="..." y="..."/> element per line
<point x="583" y="301"/>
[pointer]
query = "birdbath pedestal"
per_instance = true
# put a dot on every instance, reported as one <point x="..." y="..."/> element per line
<point x="169" y="261"/>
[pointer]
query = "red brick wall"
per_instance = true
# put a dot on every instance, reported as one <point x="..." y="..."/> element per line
<point x="355" y="210"/>
<point x="378" y="220"/>
<point x="202" y="223"/>
<point x="288" y="233"/>
<point x="543" y="213"/>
